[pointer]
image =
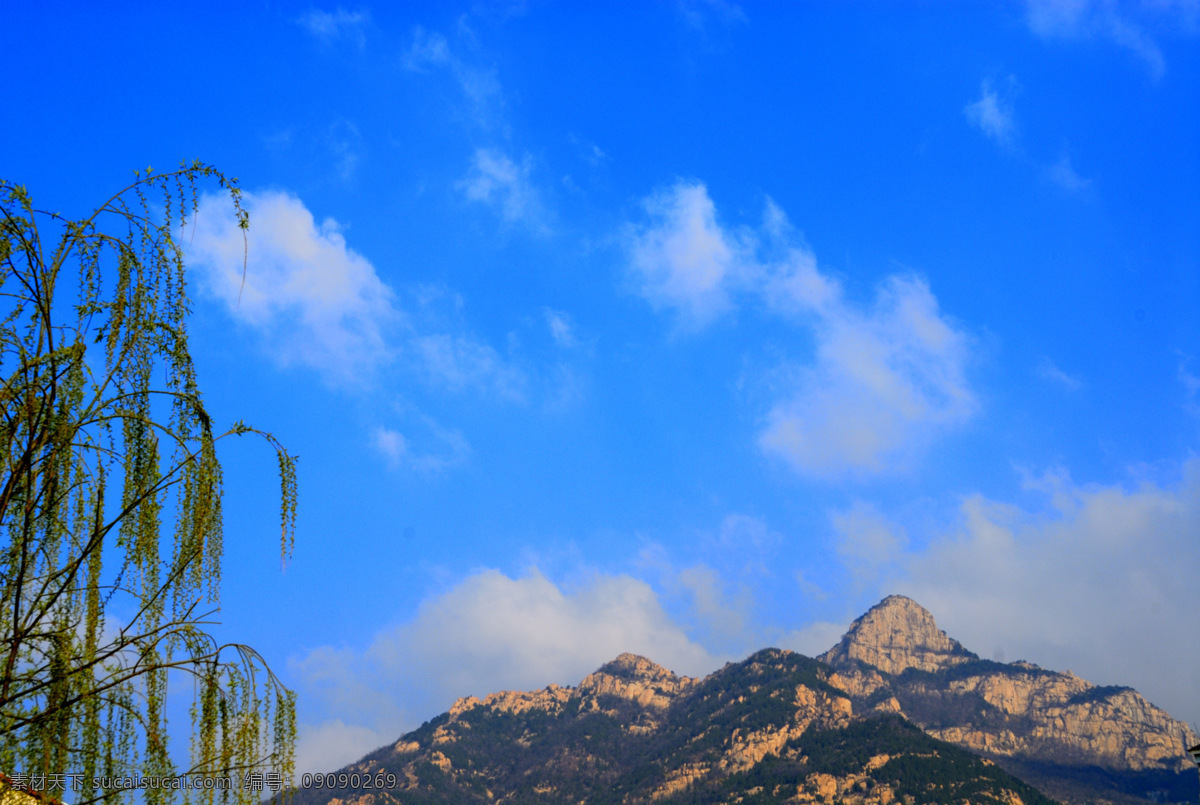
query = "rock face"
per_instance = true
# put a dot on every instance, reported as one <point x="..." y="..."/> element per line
<point x="897" y="712"/>
<point x="894" y="635"/>
<point x="1075" y="740"/>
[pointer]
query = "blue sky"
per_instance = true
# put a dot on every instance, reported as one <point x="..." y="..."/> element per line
<point x="677" y="328"/>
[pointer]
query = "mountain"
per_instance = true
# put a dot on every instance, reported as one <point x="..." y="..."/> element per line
<point x="1074" y="740"/>
<point x="769" y="729"/>
<point x="896" y="712"/>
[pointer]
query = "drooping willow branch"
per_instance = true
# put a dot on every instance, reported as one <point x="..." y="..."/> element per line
<point x="105" y="587"/>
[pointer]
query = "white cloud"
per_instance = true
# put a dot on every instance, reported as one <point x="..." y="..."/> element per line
<point x="496" y="180"/>
<point x="315" y="301"/>
<point x="345" y="143"/>
<point x="1063" y="174"/>
<point x="333" y="678"/>
<point x="993" y="114"/>
<point x="792" y="284"/>
<point x="489" y="633"/>
<point x="441" y="349"/>
<point x="885" y="379"/>
<point x="494" y="177"/>
<point x="330" y="25"/>
<point x="560" y="328"/>
<point x="884" y="383"/>
<point x="494" y="632"/>
<point x="1104" y="19"/>
<point x="427" y="50"/>
<point x="716" y="597"/>
<point x="439" y="448"/>
<point x="391" y="443"/>
<point x="683" y="258"/>
<point x="318" y="303"/>
<point x="1048" y="370"/>
<point x="1103" y="584"/>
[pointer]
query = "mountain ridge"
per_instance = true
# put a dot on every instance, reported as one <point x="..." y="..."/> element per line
<point x="896" y="712"/>
<point x="768" y="729"/>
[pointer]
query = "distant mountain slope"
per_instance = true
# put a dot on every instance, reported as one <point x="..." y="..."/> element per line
<point x="885" y="716"/>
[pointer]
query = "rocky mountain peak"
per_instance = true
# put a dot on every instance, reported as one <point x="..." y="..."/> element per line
<point x="634" y="666"/>
<point x="637" y="679"/>
<point x="894" y="635"/>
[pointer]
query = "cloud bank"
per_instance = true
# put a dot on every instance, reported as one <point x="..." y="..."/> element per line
<point x="1097" y="582"/>
<point x="489" y="633"/>
<point x="1103" y="583"/>
<point x="886" y="378"/>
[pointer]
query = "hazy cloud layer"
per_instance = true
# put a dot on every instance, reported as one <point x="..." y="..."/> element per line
<point x="489" y="633"/>
<point x="1103" y="583"/>
<point x="867" y="541"/>
<point x="885" y="378"/>
<point x="712" y="587"/>
<point x="814" y="639"/>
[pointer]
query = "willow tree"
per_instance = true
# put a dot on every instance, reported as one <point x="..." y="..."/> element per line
<point x="110" y="507"/>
